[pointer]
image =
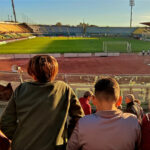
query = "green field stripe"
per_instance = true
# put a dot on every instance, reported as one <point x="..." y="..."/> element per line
<point x="69" y="45"/>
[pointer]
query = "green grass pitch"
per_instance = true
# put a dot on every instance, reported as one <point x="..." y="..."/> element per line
<point x="67" y="45"/>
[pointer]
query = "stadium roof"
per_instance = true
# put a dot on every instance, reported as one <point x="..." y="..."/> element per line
<point x="146" y="23"/>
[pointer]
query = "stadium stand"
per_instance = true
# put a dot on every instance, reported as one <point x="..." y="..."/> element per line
<point x="57" y="30"/>
<point x="54" y="30"/>
<point x="110" y="31"/>
<point x="9" y="30"/>
<point x="140" y="31"/>
<point x="76" y="31"/>
<point x="14" y="28"/>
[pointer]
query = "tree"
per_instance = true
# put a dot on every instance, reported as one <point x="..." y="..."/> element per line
<point x="58" y="24"/>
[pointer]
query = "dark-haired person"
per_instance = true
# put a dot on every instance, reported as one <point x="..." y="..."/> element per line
<point x="109" y="128"/>
<point x="85" y="102"/>
<point x="36" y="115"/>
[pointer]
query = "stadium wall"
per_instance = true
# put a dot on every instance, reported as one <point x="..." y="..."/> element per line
<point x="57" y="55"/>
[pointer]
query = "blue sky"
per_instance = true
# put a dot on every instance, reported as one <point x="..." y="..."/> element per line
<point x="98" y="12"/>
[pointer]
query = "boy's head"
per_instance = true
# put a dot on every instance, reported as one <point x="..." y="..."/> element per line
<point x="88" y="95"/>
<point x="107" y="90"/>
<point x="43" y="68"/>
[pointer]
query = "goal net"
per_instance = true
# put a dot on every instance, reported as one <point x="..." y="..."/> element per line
<point x="116" y="47"/>
<point x="146" y="36"/>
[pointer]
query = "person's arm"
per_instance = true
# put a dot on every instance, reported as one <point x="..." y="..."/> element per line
<point x="74" y="141"/>
<point x="8" y="121"/>
<point x="88" y="110"/>
<point x="75" y="111"/>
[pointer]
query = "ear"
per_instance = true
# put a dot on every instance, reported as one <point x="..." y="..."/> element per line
<point x="94" y="100"/>
<point x="34" y="78"/>
<point x="119" y="102"/>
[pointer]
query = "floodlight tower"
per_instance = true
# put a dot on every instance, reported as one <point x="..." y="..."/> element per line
<point x="13" y="7"/>
<point x="132" y="3"/>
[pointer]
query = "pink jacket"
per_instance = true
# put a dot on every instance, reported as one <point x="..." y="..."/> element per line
<point x="106" y="130"/>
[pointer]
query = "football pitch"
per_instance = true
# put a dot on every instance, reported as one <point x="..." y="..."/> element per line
<point x="70" y="45"/>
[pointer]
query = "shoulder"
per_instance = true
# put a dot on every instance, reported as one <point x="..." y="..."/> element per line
<point x="146" y="118"/>
<point x="61" y="84"/>
<point x="20" y="88"/>
<point x="130" y="119"/>
<point x="81" y="99"/>
<point x="23" y="85"/>
<point x="129" y="116"/>
<point x="88" y="119"/>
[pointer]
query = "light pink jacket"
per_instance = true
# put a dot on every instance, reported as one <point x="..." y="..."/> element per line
<point x="106" y="130"/>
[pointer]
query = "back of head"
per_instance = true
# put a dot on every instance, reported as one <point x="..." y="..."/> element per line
<point x="107" y="89"/>
<point x="87" y="94"/>
<point x="43" y="67"/>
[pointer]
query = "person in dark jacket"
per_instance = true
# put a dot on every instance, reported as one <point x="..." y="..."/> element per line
<point x="145" y="145"/>
<point x="133" y="107"/>
<point x="85" y="102"/>
<point x="36" y="115"/>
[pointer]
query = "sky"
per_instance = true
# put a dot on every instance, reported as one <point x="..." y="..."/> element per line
<point x="72" y="12"/>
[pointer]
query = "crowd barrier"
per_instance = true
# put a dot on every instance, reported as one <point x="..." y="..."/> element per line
<point x="139" y="85"/>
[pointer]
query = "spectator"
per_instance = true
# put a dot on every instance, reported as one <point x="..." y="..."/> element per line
<point x="109" y="128"/>
<point x="84" y="101"/>
<point x="37" y="112"/>
<point x="141" y="109"/>
<point x="145" y="145"/>
<point x="133" y="107"/>
<point x="143" y="52"/>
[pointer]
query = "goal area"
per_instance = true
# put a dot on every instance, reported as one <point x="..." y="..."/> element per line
<point x="146" y="36"/>
<point x="116" y="47"/>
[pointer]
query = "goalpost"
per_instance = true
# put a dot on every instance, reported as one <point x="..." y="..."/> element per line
<point x="146" y="36"/>
<point x="116" y="47"/>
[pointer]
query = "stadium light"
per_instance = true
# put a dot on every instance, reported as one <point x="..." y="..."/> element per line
<point x="13" y="7"/>
<point x="132" y="3"/>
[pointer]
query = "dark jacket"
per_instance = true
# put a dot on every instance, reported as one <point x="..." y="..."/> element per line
<point x="135" y="109"/>
<point x="36" y="115"/>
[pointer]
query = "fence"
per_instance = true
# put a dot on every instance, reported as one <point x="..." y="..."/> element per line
<point x="139" y="85"/>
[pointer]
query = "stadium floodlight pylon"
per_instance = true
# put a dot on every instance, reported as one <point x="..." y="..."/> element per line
<point x="14" y="12"/>
<point x="116" y="47"/>
<point x="132" y="3"/>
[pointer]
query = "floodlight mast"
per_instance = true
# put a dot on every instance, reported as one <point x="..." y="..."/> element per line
<point x="13" y="7"/>
<point x="132" y="3"/>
